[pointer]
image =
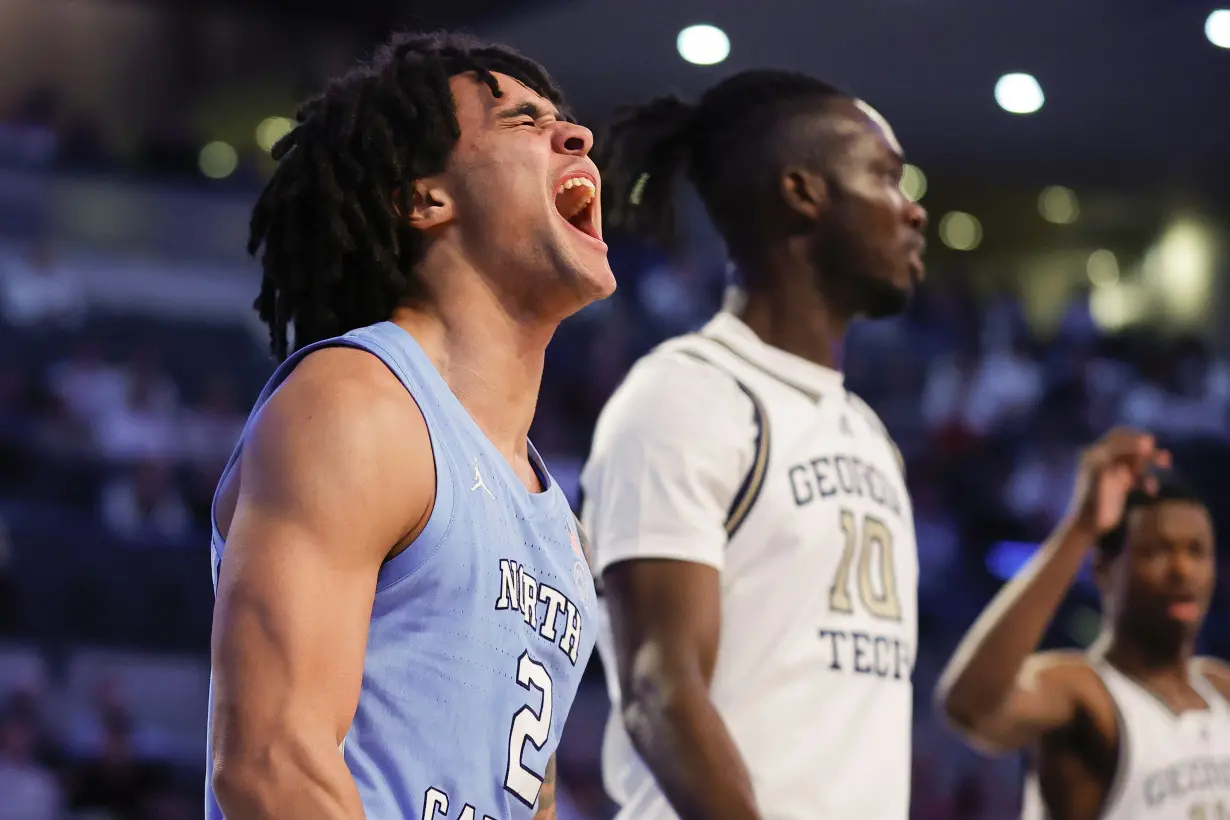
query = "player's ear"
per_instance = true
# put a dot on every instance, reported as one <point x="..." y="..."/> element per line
<point x="804" y="192"/>
<point x="427" y="204"/>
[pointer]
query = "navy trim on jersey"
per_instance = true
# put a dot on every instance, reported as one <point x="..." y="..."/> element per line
<point x="753" y="482"/>
<point x="812" y="395"/>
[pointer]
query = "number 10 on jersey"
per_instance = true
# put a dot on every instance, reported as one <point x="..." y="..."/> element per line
<point x="872" y="544"/>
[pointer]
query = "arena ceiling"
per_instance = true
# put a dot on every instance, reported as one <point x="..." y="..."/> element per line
<point x="1131" y="85"/>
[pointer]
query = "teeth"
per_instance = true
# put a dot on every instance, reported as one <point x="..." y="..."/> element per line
<point x="573" y="183"/>
<point x="580" y="198"/>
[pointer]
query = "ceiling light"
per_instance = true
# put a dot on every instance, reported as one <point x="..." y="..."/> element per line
<point x="271" y="130"/>
<point x="1103" y="268"/>
<point x="1217" y="28"/>
<point x="1019" y="94"/>
<point x="1059" y="205"/>
<point x="703" y="44"/>
<point x="960" y="231"/>
<point x="913" y="182"/>
<point x="218" y="160"/>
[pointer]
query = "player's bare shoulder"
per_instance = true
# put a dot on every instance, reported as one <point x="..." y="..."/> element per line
<point x="1073" y="672"/>
<point x="342" y="427"/>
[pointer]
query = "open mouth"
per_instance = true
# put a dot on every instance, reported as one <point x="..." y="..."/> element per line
<point x="918" y="268"/>
<point x="1183" y="608"/>
<point x="576" y="197"/>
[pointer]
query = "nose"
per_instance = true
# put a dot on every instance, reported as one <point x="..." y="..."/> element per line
<point x="570" y="138"/>
<point x="917" y="217"/>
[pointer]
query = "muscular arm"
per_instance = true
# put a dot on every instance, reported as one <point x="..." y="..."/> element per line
<point x="546" y="794"/>
<point x="987" y="690"/>
<point x="997" y="693"/>
<point x="666" y="619"/>
<point x="335" y="473"/>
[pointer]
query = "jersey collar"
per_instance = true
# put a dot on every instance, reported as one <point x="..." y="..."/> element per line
<point x="730" y="331"/>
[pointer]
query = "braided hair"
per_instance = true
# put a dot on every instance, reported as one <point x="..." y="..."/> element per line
<point x="728" y="146"/>
<point x="336" y="253"/>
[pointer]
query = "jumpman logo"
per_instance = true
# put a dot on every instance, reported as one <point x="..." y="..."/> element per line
<point x="478" y="480"/>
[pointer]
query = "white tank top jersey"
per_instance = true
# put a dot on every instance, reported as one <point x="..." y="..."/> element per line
<point x="722" y="450"/>
<point x="1171" y="767"/>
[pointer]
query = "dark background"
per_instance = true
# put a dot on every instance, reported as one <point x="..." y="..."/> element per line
<point x="129" y="354"/>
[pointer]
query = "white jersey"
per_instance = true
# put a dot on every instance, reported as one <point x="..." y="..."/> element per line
<point x="1171" y="767"/>
<point x="722" y="450"/>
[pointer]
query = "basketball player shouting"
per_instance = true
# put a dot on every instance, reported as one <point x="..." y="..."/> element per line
<point x="1136" y="727"/>
<point x="403" y="614"/>
<point x="749" y="515"/>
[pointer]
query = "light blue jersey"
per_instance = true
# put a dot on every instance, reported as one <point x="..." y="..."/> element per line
<point x="480" y="631"/>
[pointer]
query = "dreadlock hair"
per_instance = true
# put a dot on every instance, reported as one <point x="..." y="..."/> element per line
<point x="337" y="253"/>
<point x="727" y="145"/>
<point x="1170" y="487"/>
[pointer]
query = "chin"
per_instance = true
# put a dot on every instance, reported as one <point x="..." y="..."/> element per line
<point x="886" y="300"/>
<point x="591" y="283"/>
<point x="588" y="271"/>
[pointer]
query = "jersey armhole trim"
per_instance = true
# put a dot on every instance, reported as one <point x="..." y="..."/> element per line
<point x="749" y="490"/>
<point x="440" y="520"/>
<point x="1118" y="783"/>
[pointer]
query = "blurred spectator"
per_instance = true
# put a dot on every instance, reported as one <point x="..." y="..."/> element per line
<point x="28" y="790"/>
<point x="1188" y="394"/>
<point x="145" y="503"/>
<point x="1005" y="387"/>
<point x="144" y="424"/>
<point x="8" y="586"/>
<point x="37" y="291"/>
<point x="211" y="430"/>
<point x="1041" y="484"/>
<point x="87" y="383"/>
<point x="116" y="781"/>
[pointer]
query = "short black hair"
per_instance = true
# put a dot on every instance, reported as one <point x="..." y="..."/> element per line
<point x="337" y="255"/>
<point x="1170" y="487"/>
<point x="724" y="144"/>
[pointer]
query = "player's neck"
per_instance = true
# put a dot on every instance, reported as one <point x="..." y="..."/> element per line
<point x="491" y="360"/>
<point x="786" y="312"/>
<point x="1146" y="660"/>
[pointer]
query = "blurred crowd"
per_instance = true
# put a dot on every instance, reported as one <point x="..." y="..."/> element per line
<point x="114" y="428"/>
<point x="43" y="131"/>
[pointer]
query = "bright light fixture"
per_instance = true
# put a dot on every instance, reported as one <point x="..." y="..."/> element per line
<point x="1103" y="268"/>
<point x="1019" y="93"/>
<point x="960" y="231"/>
<point x="703" y="44"/>
<point x="913" y="182"/>
<point x="1059" y="205"/>
<point x="218" y="160"/>
<point x="271" y="130"/>
<point x="1217" y="28"/>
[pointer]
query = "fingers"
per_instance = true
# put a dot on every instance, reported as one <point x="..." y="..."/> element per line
<point x="1135" y="450"/>
<point x="1124" y="443"/>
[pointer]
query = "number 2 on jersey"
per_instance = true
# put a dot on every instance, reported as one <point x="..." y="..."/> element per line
<point x="527" y="724"/>
<point x="875" y="547"/>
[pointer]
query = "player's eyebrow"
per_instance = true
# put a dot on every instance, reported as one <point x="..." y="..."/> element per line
<point x="528" y="108"/>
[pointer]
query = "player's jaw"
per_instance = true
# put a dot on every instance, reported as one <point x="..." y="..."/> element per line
<point x="1168" y="618"/>
<point x="576" y="196"/>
